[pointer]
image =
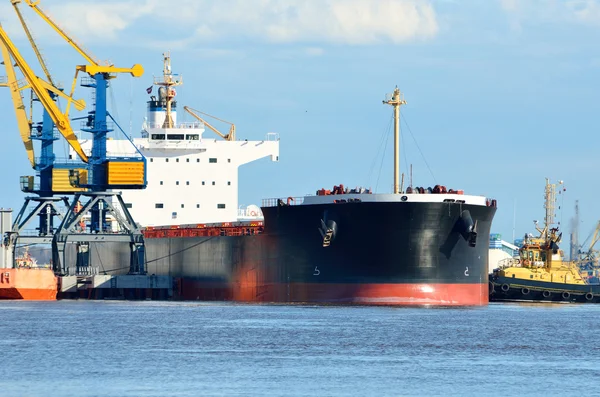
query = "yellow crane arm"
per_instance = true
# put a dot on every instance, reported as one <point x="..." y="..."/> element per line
<point x="22" y="120"/>
<point x="79" y="103"/>
<point x="228" y="137"/>
<point x="38" y="54"/>
<point x="60" y="120"/>
<point x="34" y="4"/>
<point x="595" y="238"/>
<point x="94" y="66"/>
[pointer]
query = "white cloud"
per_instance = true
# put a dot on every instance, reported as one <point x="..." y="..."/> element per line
<point x="188" y="22"/>
<point x="555" y="11"/>
<point x="314" y="51"/>
<point x="587" y="11"/>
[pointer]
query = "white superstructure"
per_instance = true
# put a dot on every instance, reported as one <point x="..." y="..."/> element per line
<point x="192" y="178"/>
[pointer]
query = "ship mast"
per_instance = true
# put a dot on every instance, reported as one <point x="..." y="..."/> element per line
<point x="168" y="81"/>
<point x="396" y="101"/>
<point x="549" y="200"/>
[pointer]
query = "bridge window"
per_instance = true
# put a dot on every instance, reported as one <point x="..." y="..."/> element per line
<point x="212" y="160"/>
<point x="158" y="137"/>
<point x="221" y="206"/>
<point x="192" y="137"/>
<point x="128" y="205"/>
<point x="175" y="137"/>
<point x="158" y="205"/>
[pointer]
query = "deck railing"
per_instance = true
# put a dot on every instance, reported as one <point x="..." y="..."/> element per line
<point x="274" y="202"/>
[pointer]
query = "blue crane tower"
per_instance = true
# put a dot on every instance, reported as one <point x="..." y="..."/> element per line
<point x="93" y="179"/>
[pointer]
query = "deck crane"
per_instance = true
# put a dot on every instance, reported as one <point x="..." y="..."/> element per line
<point x="194" y="113"/>
<point x="102" y="174"/>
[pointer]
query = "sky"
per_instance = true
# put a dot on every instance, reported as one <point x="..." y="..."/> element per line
<point x="501" y="94"/>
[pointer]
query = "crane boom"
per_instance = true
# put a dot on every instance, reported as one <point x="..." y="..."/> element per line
<point x="228" y="137"/>
<point x="38" y="54"/>
<point x="22" y="121"/>
<point x="34" y="4"/>
<point x="94" y="66"/>
<point x="60" y="120"/>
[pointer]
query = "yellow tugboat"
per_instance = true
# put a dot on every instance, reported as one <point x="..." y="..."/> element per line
<point x="540" y="273"/>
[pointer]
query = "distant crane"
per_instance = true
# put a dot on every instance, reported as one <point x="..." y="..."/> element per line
<point x="228" y="137"/>
<point x="588" y="259"/>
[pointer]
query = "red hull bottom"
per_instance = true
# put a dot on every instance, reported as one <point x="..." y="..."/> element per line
<point x="361" y="294"/>
<point x="28" y="284"/>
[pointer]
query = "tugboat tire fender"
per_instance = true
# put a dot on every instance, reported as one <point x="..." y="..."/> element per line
<point x="525" y="291"/>
<point x="546" y="294"/>
<point x="505" y="287"/>
<point x="566" y="295"/>
<point x="589" y="296"/>
<point x="491" y="288"/>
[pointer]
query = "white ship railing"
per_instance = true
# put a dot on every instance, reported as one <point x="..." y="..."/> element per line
<point x="184" y="125"/>
<point x="273" y="202"/>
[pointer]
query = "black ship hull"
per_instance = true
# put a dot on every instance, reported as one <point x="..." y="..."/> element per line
<point x="505" y="289"/>
<point x="378" y="253"/>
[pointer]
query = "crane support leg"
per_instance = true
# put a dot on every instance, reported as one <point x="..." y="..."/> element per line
<point x="74" y="232"/>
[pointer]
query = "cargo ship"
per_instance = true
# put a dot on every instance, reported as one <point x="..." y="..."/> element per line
<point x="540" y="273"/>
<point x="419" y="246"/>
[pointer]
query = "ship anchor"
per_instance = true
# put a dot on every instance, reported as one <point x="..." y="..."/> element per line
<point x="328" y="229"/>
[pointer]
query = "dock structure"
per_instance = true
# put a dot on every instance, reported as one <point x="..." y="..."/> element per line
<point x="125" y="287"/>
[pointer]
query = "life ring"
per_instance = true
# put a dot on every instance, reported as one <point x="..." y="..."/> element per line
<point x="546" y="294"/>
<point x="566" y="295"/>
<point x="505" y="287"/>
<point x="253" y="213"/>
<point x="525" y="291"/>
<point x="589" y="296"/>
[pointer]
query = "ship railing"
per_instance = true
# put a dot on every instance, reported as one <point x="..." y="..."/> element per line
<point x="274" y="202"/>
<point x="186" y="125"/>
<point x="272" y="137"/>
<point x="83" y="271"/>
<point x="509" y="262"/>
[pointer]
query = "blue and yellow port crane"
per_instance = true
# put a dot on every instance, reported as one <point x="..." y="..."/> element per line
<point x="100" y="173"/>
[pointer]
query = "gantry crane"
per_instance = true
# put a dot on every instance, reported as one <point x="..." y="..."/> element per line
<point x="101" y="173"/>
<point x="53" y="177"/>
<point x="229" y="137"/>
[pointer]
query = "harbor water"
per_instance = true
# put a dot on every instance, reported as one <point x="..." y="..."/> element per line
<point x="114" y="348"/>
